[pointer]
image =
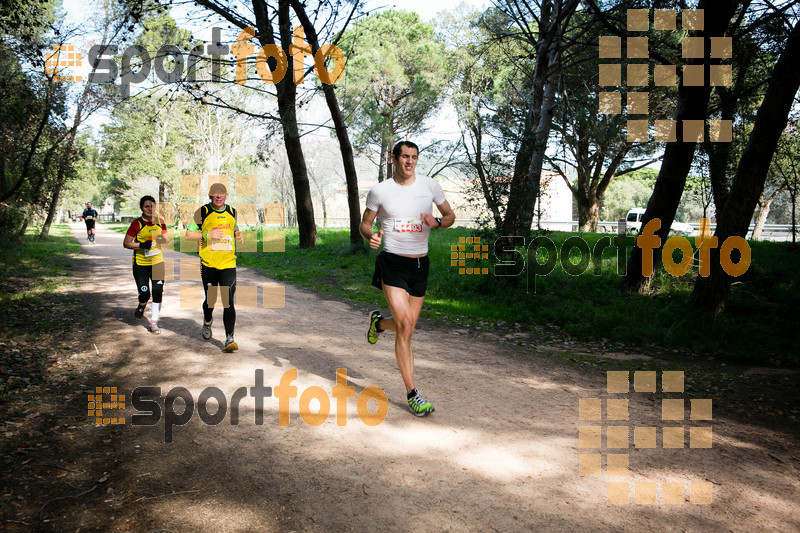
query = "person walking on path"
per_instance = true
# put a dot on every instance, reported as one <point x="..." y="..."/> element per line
<point x="145" y="236"/>
<point x="403" y="205"/>
<point x="214" y="227"/>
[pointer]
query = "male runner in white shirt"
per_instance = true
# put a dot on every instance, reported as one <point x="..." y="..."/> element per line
<point x="403" y="204"/>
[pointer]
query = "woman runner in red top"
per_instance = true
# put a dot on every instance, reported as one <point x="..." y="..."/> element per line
<point x="145" y="237"/>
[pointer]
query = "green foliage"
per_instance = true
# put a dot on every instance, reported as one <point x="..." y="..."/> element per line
<point x="489" y="77"/>
<point x="785" y="172"/>
<point x="162" y="132"/>
<point x="628" y="191"/>
<point x="696" y="200"/>
<point x="12" y="217"/>
<point x="27" y="21"/>
<point x="31" y="126"/>
<point x="396" y="72"/>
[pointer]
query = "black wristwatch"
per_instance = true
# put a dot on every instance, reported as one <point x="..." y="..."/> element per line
<point x="438" y="221"/>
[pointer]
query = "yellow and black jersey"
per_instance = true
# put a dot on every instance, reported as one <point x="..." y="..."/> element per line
<point x="142" y="231"/>
<point x="216" y="253"/>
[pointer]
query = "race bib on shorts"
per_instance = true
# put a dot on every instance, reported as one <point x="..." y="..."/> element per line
<point x="408" y="225"/>
<point x="90" y="217"/>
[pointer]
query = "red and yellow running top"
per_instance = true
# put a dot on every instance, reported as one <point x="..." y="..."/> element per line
<point x="142" y="231"/>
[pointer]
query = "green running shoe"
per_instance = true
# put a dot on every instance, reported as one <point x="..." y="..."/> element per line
<point x="373" y="332"/>
<point x="418" y="405"/>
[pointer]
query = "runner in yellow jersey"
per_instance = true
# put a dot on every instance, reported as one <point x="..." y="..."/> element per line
<point x="214" y="226"/>
<point x="145" y="237"/>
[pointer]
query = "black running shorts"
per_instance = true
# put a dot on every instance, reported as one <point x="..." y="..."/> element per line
<point x="407" y="273"/>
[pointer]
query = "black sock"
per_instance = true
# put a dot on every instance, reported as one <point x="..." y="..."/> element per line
<point x="411" y="394"/>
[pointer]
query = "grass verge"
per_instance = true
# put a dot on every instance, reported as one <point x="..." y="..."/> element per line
<point x="37" y="312"/>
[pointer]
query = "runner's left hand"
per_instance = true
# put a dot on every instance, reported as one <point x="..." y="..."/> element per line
<point x="429" y="220"/>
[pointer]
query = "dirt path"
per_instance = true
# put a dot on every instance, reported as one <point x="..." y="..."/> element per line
<point x="500" y="453"/>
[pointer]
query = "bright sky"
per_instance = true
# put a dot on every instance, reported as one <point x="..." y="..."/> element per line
<point x="427" y="9"/>
<point x="78" y="11"/>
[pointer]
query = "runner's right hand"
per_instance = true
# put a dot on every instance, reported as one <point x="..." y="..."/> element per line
<point x="145" y="245"/>
<point x="375" y="240"/>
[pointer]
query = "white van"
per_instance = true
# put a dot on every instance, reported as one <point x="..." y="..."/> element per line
<point x="633" y="220"/>
<point x="634" y="217"/>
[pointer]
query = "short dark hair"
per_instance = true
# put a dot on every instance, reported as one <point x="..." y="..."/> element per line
<point x="144" y="199"/>
<point x="398" y="147"/>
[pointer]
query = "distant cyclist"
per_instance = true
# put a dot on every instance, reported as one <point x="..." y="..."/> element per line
<point x="89" y="216"/>
<point x="145" y="237"/>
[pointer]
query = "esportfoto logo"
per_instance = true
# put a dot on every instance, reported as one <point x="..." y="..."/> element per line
<point x="170" y="64"/>
<point x="145" y="401"/>
<point x="540" y="256"/>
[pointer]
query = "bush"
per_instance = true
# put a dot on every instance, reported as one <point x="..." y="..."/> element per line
<point x="12" y="216"/>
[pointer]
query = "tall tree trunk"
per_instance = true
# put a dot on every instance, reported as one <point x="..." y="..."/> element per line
<point x="588" y="215"/>
<point x="761" y="219"/>
<point x="64" y="163"/>
<point x="348" y="160"/>
<point x="37" y="189"/>
<point x="287" y="111"/>
<point x="51" y="212"/>
<point x="477" y="163"/>
<point x="692" y="105"/>
<point x="538" y="118"/>
<point x="764" y="205"/>
<point x="34" y="145"/>
<point x="711" y="292"/>
<point x="719" y="154"/>
<point x="794" y="218"/>
<point x="383" y="162"/>
<point x="345" y="146"/>
<point x="60" y="212"/>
